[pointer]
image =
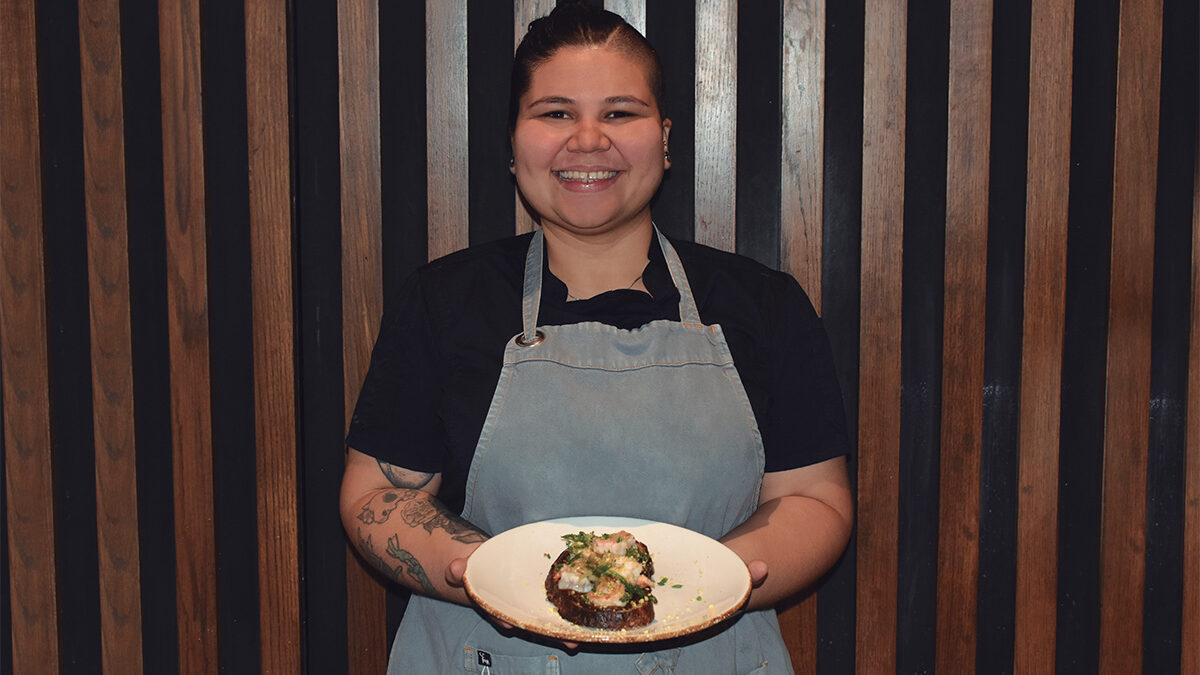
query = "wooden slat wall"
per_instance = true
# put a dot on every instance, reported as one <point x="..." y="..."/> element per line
<point x="841" y="627"/>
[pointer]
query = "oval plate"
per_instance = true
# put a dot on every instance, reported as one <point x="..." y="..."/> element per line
<point x="706" y="582"/>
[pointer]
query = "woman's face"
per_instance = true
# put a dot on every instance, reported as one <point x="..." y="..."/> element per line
<point x="589" y="141"/>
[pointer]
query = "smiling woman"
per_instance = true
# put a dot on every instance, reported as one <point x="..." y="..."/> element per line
<point x="569" y="366"/>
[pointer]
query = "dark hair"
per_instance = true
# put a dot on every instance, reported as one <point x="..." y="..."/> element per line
<point x="578" y="24"/>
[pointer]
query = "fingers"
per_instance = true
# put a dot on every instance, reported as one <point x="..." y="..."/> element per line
<point x="758" y="572"/>
<point x="455" y="571"/>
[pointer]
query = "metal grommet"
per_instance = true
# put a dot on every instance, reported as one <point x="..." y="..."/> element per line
<point x="538" y="336"/>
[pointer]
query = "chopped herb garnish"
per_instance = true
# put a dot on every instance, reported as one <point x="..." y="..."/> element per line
<point x="676" y="585"/>
<point x="662" y="581"/>
<point x="699" y="599"/>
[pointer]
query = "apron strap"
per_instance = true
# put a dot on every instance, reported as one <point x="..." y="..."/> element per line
<point x="532" y="290"/>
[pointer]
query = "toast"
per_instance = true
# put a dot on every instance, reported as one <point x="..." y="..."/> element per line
<point x="603" y="581"/>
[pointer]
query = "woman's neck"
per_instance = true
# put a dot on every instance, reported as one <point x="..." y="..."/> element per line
<point x="592" y="264"/>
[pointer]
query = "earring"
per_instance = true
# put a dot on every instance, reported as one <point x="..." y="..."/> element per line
<point x="667" y="156"/>
<point x="512" y="162"/>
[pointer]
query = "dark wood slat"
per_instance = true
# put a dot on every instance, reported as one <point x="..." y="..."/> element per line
<point x="191" y="413"/>
<point x="28" y="461"/>
<point x="1127" y="404"/>
<point x="1191" y="536"/>
<point x="362" y="281"/>
<point x="271" y="215"/>
<point x="111" y="338"/>
<point x="967" y="165"/>
<point x="1046" y="202"/>
<point x="880" y="328"/>
<point x="524" y="12"/>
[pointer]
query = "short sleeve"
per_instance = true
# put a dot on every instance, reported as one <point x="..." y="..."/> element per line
<point x="806" y="420"/>
<point x="395" y="419"/>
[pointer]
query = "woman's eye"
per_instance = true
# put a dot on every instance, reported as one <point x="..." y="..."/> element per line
<point x="619" y="114"/>
<point x="555" y="114"/>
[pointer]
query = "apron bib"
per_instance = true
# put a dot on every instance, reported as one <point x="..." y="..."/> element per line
<point x="588" y="419"/>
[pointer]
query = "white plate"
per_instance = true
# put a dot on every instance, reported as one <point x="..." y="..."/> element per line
<point x="506" y="576"/>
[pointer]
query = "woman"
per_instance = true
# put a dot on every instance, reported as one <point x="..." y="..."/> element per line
<point x="527" y="379"/>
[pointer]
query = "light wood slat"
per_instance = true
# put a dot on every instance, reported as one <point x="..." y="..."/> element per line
<point x="362" y="273"/>
<point x="1191" y="513"/>
<point x="524" y="12"/>
<point x="270" y="192"/>
<point x="446" y="125"/>
<point x="633" y="11"/>
<point x="187" y="306"/>
<point x="968" y="150"/>
<point x="716" y="123"/>
<point x="111" y="340"/>
<point x="23" y="358"/>
<point x="1046" y="203"/>
<point x="879" y="352"/>
<point x="1131" y="299"/>
<point x="801" y="215"/>
<point x="801" y="210"/>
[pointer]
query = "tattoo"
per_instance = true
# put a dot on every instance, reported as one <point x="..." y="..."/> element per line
<point x="403" y="478"/>
<point x="379" y="508"/>
<point x="432" y="516"/>
<point x="415" y="572"/>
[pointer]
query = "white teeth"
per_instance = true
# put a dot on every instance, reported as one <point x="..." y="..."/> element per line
<point x="585" y="176"/>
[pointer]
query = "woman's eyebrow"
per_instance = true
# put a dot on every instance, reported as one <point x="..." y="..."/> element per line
<point x="566" y="100"/>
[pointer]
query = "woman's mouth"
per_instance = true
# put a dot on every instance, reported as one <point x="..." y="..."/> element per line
<point x="584" y="176"/>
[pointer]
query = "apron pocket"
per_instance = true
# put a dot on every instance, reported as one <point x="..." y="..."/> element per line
<point x="658" y="663"/>
<point x="487" y="662"/>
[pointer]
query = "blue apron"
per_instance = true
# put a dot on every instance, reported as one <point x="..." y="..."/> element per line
<point x="588" y="419"/>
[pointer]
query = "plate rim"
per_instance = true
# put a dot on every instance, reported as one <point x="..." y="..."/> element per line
<point x="583" y="634"/>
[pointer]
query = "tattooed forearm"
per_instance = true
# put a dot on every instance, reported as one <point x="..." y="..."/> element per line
<point x="404" y="478"/>
<point x="414" y="568"/>
<point x="408" y="563"/>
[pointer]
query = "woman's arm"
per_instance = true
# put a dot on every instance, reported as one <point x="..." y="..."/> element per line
<point x="801" y="526"/>
<point x="396" y="522"/>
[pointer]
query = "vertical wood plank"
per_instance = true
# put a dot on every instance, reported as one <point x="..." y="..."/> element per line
<point x="28" y="458"/>
<point x="111" y="340"/>
<point x="187" y="299"/>
<point x="884" y="63"/>
<point x="801" y="220"/>
<point x="716" y="123"/>
<point x="524" y="12"/>
<point x="1046" y="206"/>
<point x="967" y="164"/>
<point x="270" y="189"/>
<point x="362" y="274"/>
<point x="1191" y="535"/>
<point x="446" y="124"/>
<point x="1127" y="401"/>
<point x="633" y="11"/>
<point x="803" y="98"/>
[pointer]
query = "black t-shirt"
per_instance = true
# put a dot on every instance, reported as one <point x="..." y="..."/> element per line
<point x="441" y="343"/>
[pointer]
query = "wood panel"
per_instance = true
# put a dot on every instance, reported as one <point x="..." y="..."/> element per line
<point x="524" y="12"/>
<point x="802" y="216"/>
<point x="1191" y="536"/>
<point x="111" y="340"/>
<point x="187" y="298"/>
<point x="1047" y="189"/>
<point x="633" y="11"/>
<point x="1127" y="402"/>
<point x="967" y="164"/>
<point x="884" y="60"/>
<point x="716" y="123"/>
<point x="271" y="251"/>
<point x="362" y="278"/>
<point x="446" y="125"/>
<point x="28" y="467"/>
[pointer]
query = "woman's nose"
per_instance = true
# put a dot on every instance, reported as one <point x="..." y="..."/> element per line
<point x="588" y="136"/>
